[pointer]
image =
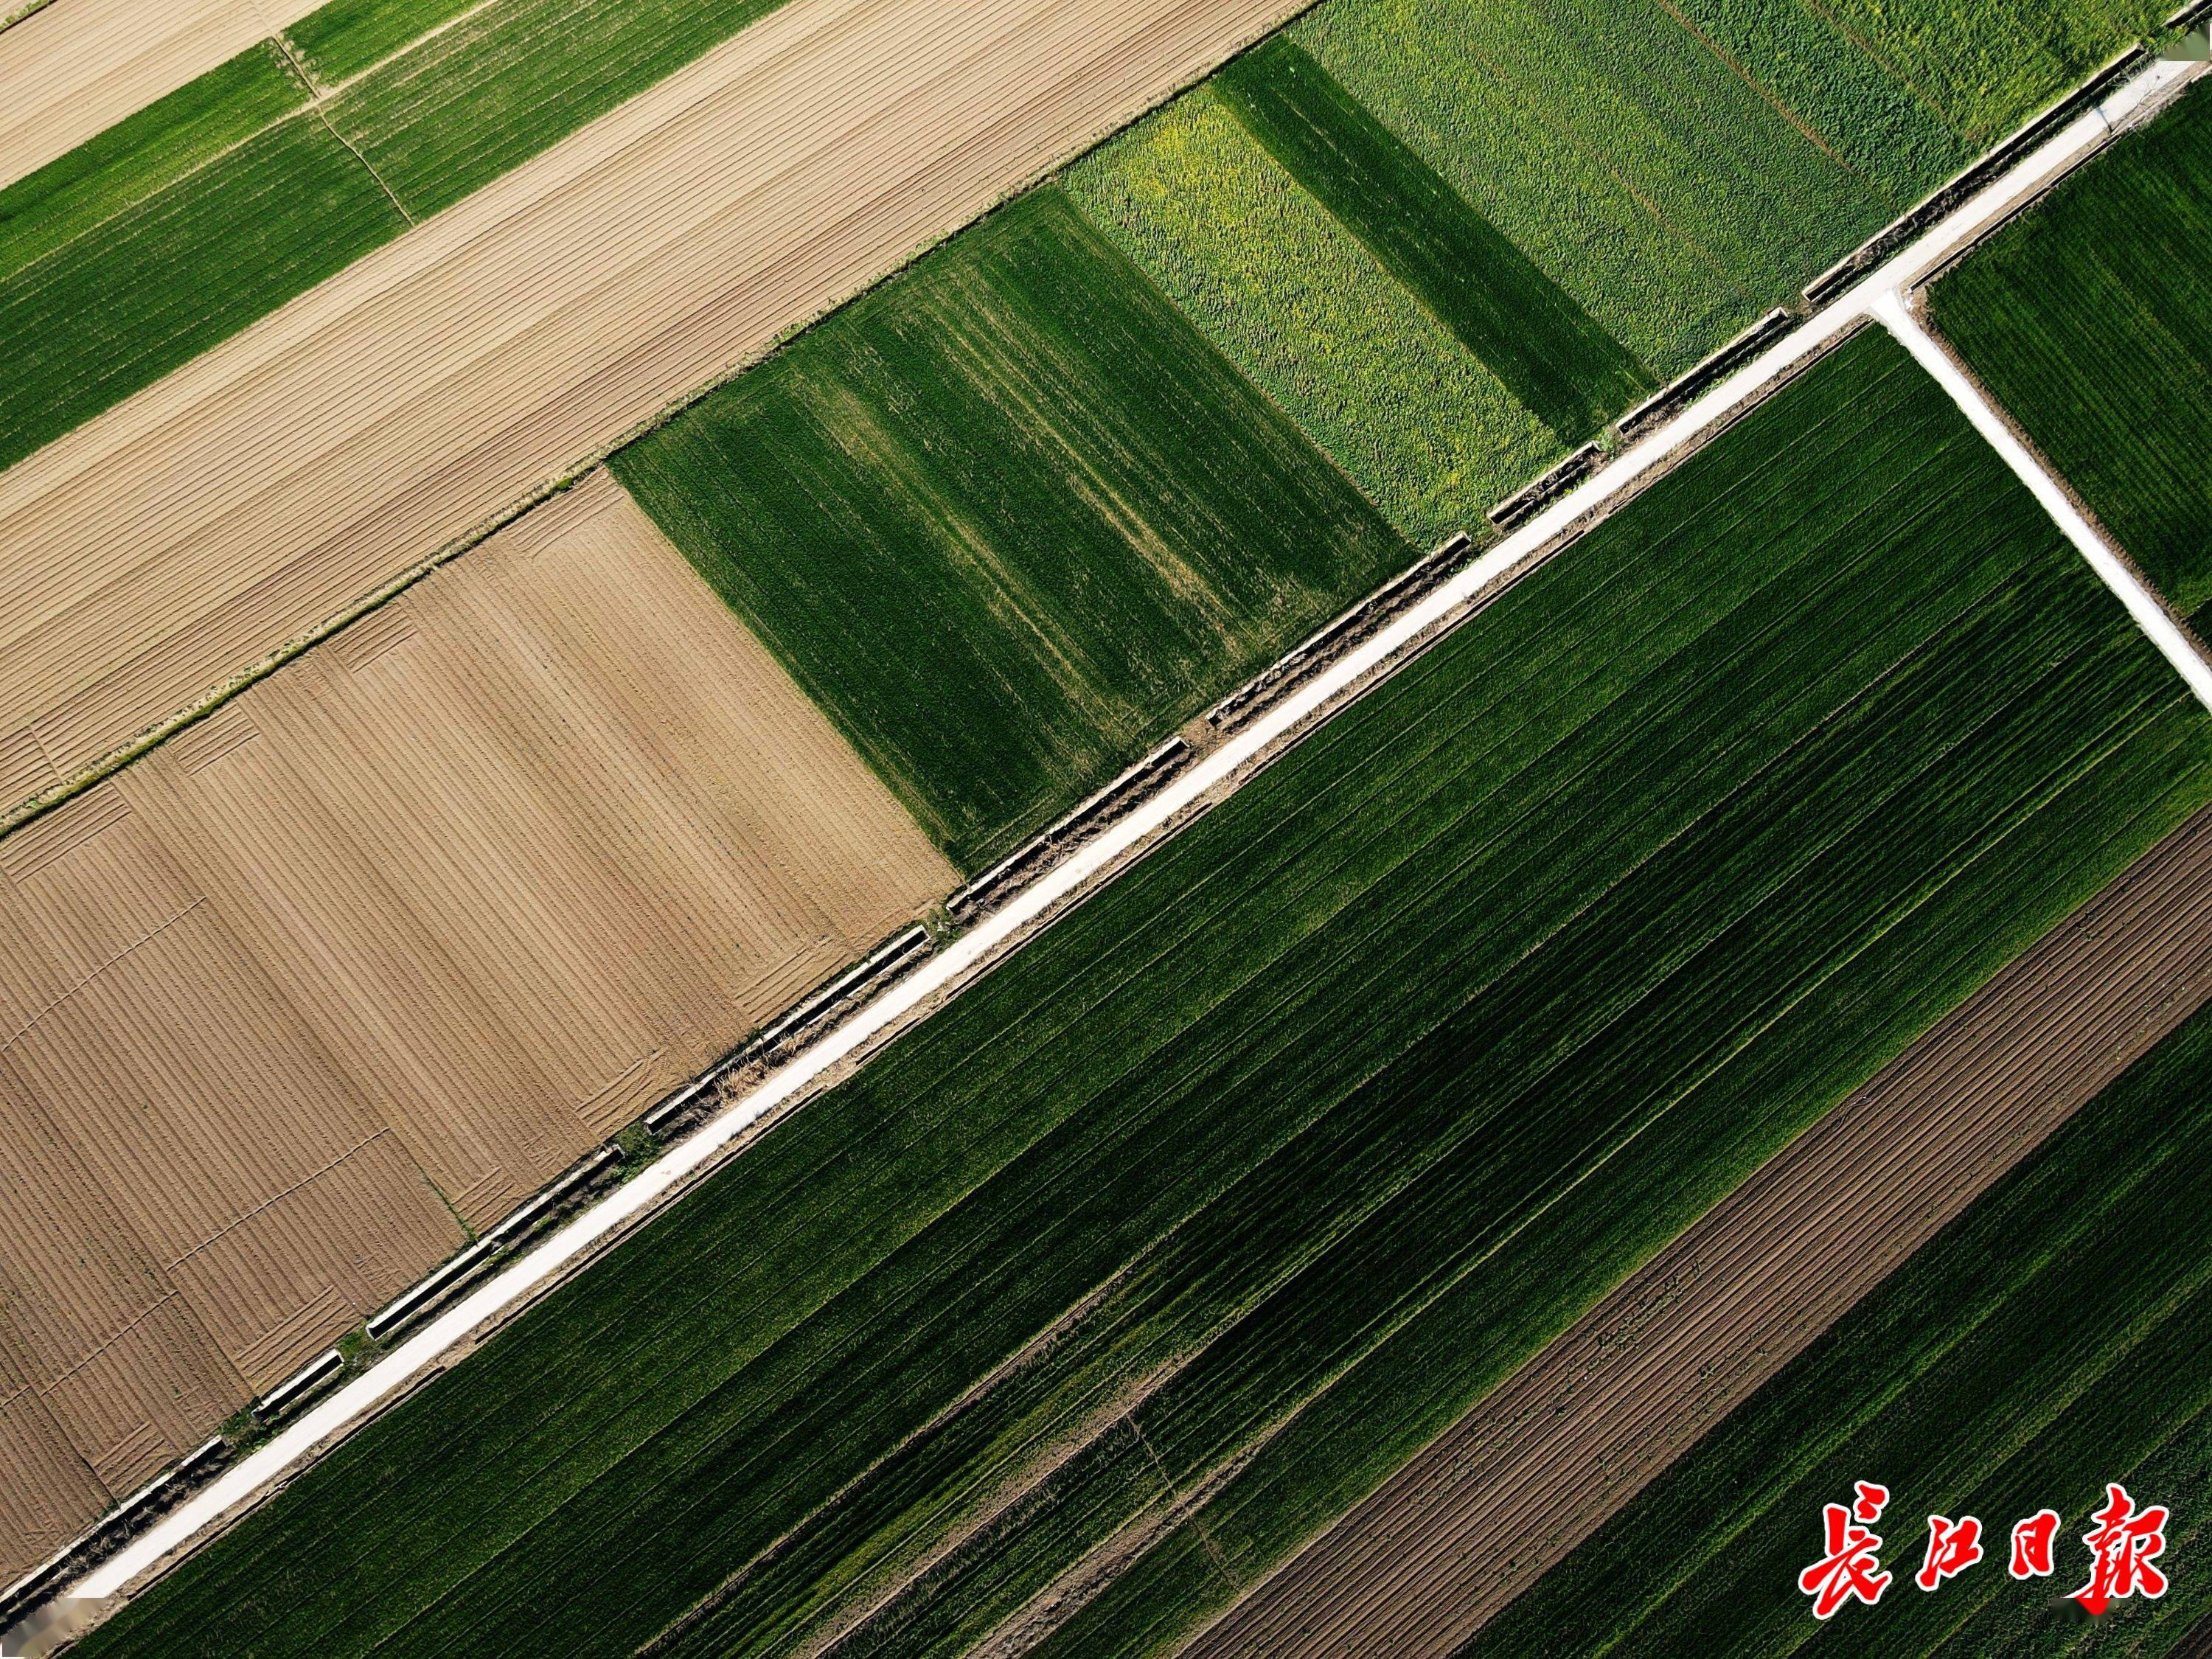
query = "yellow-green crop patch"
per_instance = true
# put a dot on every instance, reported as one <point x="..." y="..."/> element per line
<point x="1296" y="302"/>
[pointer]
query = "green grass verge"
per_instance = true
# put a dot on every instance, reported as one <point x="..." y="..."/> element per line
<point x="1010" y="520"/>
<point x="1294" y="300"/>
<point x="136" y="158"/>
<point x="2090" y="319"/>
<point x="2057" y="1336"/>
<point x="1545" y="348"/>
<point x="1640" y="871"/>
<point x="99" y="317"/>
<point x="1631" y="163"/>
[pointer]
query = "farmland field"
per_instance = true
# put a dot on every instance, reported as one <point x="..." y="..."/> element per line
<point x="1304" y="311"/>
<point x="276" y="480"/>
<point x="73" y="75"/>
<point x="1569" y="371"/>
<point x="1542" y="1461"/>
<point x="2090" y="321"/>
<point x="2057" y="1337"/>
<point x="1282" y="1138"/>
<point x="373" y="953"/>
<point x="1011" y="520"/>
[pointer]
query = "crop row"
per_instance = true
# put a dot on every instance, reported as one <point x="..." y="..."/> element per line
<point x="1641" y="870"/>
<point x="2055" y="1337"/>
<point x="1007" y="519"/>
<point x="2091" y="321"/>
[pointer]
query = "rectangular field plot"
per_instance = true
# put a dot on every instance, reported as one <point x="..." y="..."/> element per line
<point x="2055" y="1337"/>
<point x="1010" y="520"/>
<point x="378" y="949"/>
<point x="2090" y="320"/>
<point x="1242" y="1182"/>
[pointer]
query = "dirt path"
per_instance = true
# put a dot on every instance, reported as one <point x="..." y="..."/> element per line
<point x="271" y="484"/>
<point x="1577" y="1431"/>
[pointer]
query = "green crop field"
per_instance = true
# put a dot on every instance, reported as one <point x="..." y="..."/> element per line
<point x="1958" y="1385"/>
<point x="1636" y="169"/>
<point x="1988" y="66"/>
<point x="512" y="78"/>
<point x="90" y="321"/>
<point x="1011" y="520"/>
<point x="136" y="158"/>
<point x="1532" y="336"/>
<point x="2090" y="320"/>
<point x="1296" y="302"/>
<point x="338" y="41"/>
<point x="1287" y="1137"/>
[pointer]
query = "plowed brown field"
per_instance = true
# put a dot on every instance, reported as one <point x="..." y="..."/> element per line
<point x="448" y="900"/>
<point x="77" y="67"/>
<point x="1538" y="1466"/>
<point x="263" y="488"/>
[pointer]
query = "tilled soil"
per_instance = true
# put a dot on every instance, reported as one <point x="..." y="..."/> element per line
<point x="378" y="948"/>
<point x="1578" y="1431"/>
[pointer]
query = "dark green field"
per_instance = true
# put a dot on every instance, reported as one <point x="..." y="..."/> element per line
<point x="1290" y="1132"/>
<point x="1546" y="350"/>
<point x="1011" y="520"/>
<point x="2090" y="319"/>
<point x="2055" y="1337"/>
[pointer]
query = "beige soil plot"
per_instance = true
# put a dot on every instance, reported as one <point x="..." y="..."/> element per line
<point x="1585" y="1425"/>
<point x="71" y="71"/>
<point x="264" y="488"/>
<point x="413" y="923"/>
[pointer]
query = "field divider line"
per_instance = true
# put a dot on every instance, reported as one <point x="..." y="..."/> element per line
<point x="1212" y="779"/>
<point x="2148" y="609"/>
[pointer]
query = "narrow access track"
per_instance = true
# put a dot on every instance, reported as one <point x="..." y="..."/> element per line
<point x="1218" y="776"/>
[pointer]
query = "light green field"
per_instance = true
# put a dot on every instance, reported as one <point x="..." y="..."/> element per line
<point x="1296" y="302"/>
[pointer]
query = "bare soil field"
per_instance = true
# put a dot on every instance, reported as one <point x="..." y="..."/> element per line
<point x="378" y="948"/>
<point x="273" y="483"/>
<point x="75" y="67"/>
<point x="1541" y="1463"/>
